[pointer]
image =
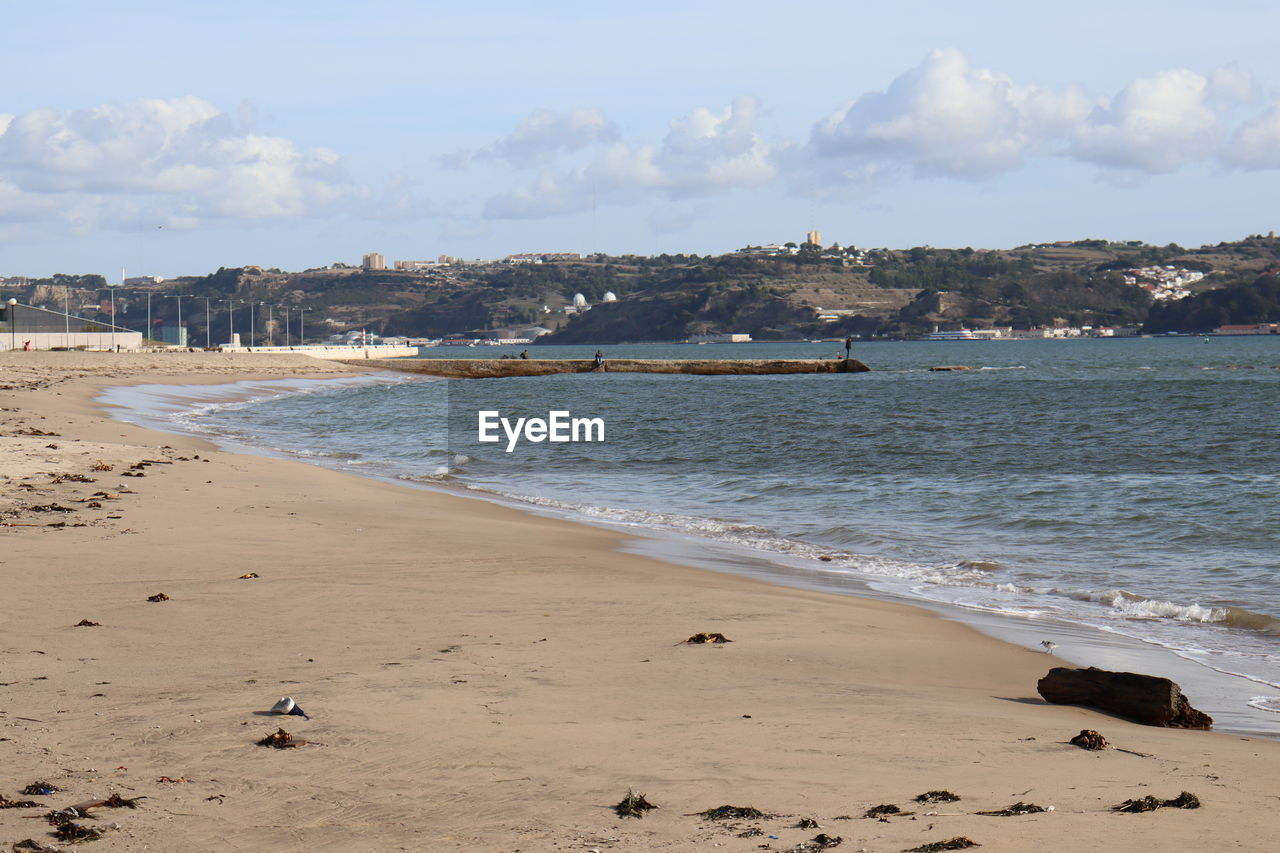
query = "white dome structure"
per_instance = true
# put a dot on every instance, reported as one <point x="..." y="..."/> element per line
<point x="609" y="296"/>
<point x="579" y="301"/>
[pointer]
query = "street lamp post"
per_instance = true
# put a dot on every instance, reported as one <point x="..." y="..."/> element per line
<point x="112" y="289"/>
<point x="251" y="324"/>
<point x="208" y="321"/>
<point x="231" y="323"/>
<point x="286" y="325"/>
<point x="13" y="314"/>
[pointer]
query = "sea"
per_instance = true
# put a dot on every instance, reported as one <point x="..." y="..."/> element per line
<point x="1118" y="498"/>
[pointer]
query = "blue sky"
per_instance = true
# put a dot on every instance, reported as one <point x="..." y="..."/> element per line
<point x="177" y="138"/>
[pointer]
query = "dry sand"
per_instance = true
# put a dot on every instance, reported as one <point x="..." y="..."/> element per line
<point x="484" y="680"/>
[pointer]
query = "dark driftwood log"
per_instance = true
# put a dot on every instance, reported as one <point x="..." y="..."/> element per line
<point x="1142" y="698"/>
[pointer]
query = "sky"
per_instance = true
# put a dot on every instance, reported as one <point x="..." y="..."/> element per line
<point x="173" y="139"/>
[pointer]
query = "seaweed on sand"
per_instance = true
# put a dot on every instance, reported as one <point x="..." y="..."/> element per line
<point x="72" y="831"/>
<point x="280" y="740"/>
<point x="1185" y="800"/>
<point x="705" y="637"/>
<point x="732" y="813"/>
<point x="40" y="789"/>
<point x="115" y="801"/>
<point x="883" y="810"/>
<point x="633" y="805"/>
<point x="1015" y="809"/>
<point x="17" y="804"/>
<point x="957" y="843"/>
<point x="1089" y="739"/>
<point x="937" y="797"/>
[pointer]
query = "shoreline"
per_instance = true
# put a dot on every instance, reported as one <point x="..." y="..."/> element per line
<point x="1225" y="695"/>
<point x="481" y="678"/>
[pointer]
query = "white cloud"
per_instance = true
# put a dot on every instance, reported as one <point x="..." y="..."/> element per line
<point x="702" y="153"/>
<point x="1256" y="144"/>
<point x="945" y="118"/>
<point x="1156" y="125"/>
<point x="544" y="134"/>
<point x="541" y="137"/>
<point x="180" y="158"/>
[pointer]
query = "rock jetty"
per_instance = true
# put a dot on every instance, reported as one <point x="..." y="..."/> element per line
<point x="495" y="368"/>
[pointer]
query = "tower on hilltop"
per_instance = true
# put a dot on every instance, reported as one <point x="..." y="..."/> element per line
<point x="814" y="237"/>
<point x="374" y="261"/>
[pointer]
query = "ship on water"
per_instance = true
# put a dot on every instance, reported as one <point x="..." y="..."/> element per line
<point x="961" y="334"/>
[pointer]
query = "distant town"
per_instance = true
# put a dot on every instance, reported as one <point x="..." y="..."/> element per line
<point x="806" y="290"/>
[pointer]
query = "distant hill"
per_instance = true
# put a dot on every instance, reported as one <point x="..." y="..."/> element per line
<point x="812" y="293"/>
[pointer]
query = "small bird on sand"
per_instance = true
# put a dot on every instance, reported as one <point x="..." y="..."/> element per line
<point x="1049" y="646"/>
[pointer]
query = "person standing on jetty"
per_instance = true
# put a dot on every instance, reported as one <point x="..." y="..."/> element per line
<point x="848" y="347"/>
<point x="599" y="360"/>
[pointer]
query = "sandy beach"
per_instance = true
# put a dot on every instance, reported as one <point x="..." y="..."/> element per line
<point x="482" y="679"/>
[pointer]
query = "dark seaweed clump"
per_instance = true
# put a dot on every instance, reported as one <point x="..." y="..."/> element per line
<point x="633" y="805"/>
<point x="732" y="813"/>
<point x="1015" y="809"/>
<point x="957" y="843"/>
<point x="1185" y="800"/>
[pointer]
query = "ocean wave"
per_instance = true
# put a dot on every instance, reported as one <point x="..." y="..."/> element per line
<point x="434" y="476"/>
<point x="1265" y="703"/>
<point x="326" y="454"/>
<point x="1134" y="606"/>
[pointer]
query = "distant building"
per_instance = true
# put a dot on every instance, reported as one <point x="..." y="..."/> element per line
<point x="542" y="257"/>
<point x="374" y="261"/>
<point x="731" y="338"/>
<point x="143" y="280"/>
<point x="609" y="296"/>
<point x="176" y="335"/>
<point x="814" y="237"/>
<point x="769" y="250"/>
<point x="415" y="266"/>
<point x="1250" y="329"/>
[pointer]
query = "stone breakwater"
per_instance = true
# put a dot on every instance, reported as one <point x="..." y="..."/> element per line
<point x="495" y="368"/>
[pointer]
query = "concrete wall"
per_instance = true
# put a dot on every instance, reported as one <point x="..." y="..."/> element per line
<point x="90" y="340"/>
<point x="334" y="352"/>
